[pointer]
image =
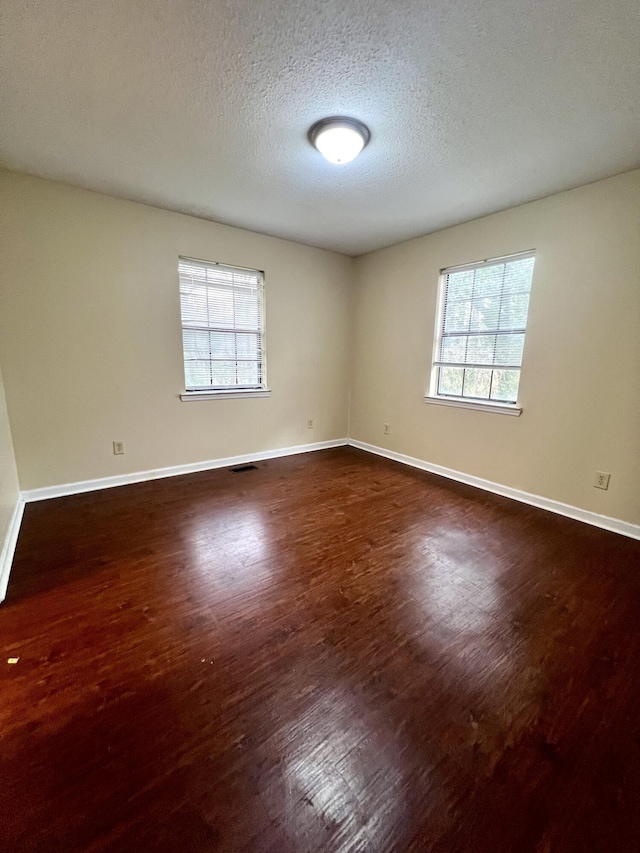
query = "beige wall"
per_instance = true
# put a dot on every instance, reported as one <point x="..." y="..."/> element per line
<point x="90" y="338"/>
<point x="91" y="348"/>
<point x="580" y="383"/>
<point x="9" y="490"/>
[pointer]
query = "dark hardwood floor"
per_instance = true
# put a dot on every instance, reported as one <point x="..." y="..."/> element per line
<point x="329" y="653"/>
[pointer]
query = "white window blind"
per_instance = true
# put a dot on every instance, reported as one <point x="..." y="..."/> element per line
<point x="222" y="326"/>
<point x="480" y="329"/>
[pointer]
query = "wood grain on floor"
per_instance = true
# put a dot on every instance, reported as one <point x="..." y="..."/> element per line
<point x="329" y="653"/>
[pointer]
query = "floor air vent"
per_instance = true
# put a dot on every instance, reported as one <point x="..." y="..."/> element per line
<point x="242" y="468"/>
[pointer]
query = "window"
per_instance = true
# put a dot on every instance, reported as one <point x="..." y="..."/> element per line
<point x="222" y="327"/>
<point x="480" y="328"/>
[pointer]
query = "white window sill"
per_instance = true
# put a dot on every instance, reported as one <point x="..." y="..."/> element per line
<point x="494" y="408"/>
<point x="193" y="396"/>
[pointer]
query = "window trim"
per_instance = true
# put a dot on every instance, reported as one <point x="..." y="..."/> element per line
<point x="481" y="405"/>
<point x="231" y="392"/>
<point x="194" y="396"/>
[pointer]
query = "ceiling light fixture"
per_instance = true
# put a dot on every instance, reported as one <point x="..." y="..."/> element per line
<point x="339" y="139"/>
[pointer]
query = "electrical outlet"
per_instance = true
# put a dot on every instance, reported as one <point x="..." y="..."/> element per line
<point x="602" y="480"/>
<point x="310" y="423"/>
<point x="118" y="448"/>
<point x="386" y="429"/>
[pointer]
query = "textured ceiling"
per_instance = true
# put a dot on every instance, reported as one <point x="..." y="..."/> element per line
<point x="203" y="106"/>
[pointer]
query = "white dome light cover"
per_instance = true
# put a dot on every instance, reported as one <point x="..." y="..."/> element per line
<point x="339" y="139"/>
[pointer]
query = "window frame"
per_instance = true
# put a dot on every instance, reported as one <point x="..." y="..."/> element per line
<point x="217" y="392"/>
<point x="477" y="403"/>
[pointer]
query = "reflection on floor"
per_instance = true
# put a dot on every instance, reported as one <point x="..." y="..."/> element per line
<point x="329" y="653"/>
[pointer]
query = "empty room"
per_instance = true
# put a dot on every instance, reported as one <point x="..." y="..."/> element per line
<point x="320" y="426"/>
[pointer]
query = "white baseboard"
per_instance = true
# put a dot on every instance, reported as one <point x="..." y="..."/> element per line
<point x="9" y="546"/>
<point x="604" y="521"/>
<point x="174" y="471"/>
